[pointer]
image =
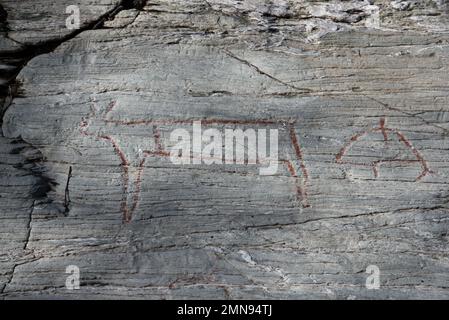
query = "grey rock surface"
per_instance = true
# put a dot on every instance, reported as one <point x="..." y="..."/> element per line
<point x="357" y="89"/>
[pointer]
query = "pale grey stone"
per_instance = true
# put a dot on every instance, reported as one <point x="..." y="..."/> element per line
<point x="362" y="86"/>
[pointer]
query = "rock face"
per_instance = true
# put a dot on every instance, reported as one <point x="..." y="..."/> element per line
<point x="358" y="91"/>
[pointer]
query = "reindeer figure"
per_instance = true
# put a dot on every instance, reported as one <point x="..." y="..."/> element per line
<point x="98" y="124"/>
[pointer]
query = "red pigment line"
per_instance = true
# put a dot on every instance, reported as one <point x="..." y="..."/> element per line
<point x="290" y="168"/>
<point x="203" y="121"/>
<point x="300" y="193"/>
<point x="356" y="164"/>
<point x="418" y="155"/>
<point x="138" y="182"/>
<point x="398" y="160"/>
<point x="157" y="138"/>
<point x="110" y="107"/>
<point x="138" y="185"/>
<point x="378" y="161"/>
<point x="157" y="153"/>
<point x="382" y="128"/>
<point x="117" y="149"/>
<point x="302" y="190"/>
<point x="375" y="164"/>
<point x="298" y="152"/>
<point x="244" y="122"/>
<point x="124" y="165"/>
<point x="422" y="175"/>
<point x="127" y="214"/>
<point x="349" y="144"/>
<point x="124" y="205"/>
<point x="299" y="156"/>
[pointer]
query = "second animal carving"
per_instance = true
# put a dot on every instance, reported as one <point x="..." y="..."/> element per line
<point x="402" y="154"/>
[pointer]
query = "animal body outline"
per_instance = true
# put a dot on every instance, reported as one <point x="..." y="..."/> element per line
<point x="375" y="165"/>
<point x="129" y="206"/>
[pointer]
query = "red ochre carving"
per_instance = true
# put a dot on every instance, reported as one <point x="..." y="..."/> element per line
<point x="128" y="206"/>
<point x="386" y="133"/>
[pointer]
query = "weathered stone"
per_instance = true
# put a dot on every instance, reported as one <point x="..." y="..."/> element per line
<point x="357" y="89"/>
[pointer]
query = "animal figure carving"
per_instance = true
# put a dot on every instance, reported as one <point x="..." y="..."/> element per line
<point x="100" y="125"/>
<point x="409" y="154"/>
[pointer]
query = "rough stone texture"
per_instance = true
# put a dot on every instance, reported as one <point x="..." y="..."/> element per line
<point x="358" y="90"/>
<point x="33" y="21"/>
